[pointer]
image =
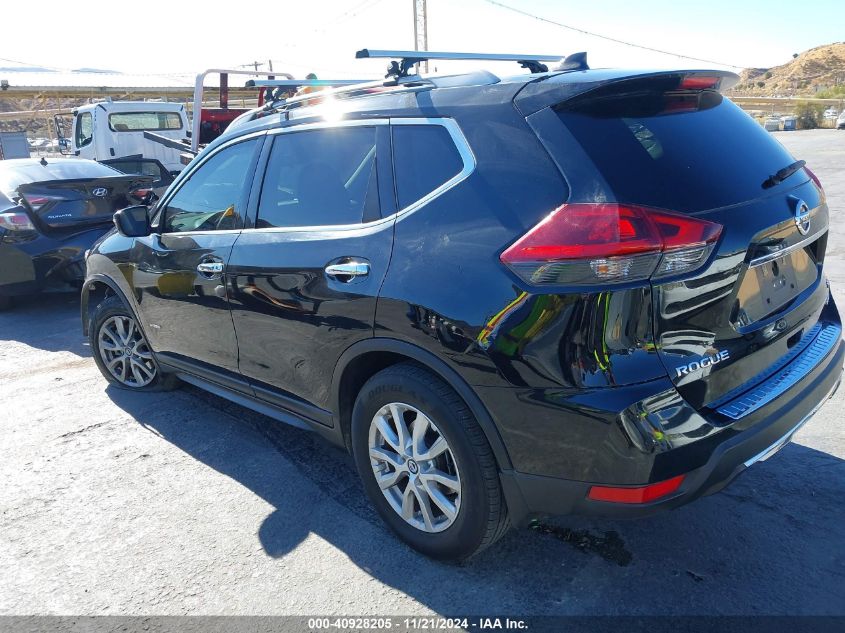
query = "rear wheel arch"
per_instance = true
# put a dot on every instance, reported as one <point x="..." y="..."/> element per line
<point x="366" y="358"/>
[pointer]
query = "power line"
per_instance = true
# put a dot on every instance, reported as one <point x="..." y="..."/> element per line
<point x="606" y="37"/>
<point x="30" y="65"/>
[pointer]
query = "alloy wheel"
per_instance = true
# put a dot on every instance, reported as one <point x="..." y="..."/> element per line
<point x="125" y="353"/>
<point x="414" y="467"/>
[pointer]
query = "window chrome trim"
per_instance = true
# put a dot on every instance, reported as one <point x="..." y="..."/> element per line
<point x="320" y="125"/>
<point x="464" y="150"/>
<point x="458" y="138"/>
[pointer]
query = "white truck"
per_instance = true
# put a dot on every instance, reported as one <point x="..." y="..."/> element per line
<point x="125" y="131"/>
<point x="108" y="130"/>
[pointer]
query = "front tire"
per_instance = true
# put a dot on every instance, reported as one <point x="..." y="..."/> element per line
<point x="426" y="464"/>
<point x="121" y="351"/>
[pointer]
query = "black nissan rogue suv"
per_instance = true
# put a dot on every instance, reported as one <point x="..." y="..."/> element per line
<point x="585" y="291"/>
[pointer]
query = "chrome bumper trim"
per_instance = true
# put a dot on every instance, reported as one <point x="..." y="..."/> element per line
<point x="787" y="437"/>
<point x="788" y="372"/>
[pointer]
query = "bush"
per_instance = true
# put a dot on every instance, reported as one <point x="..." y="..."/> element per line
<point x="809" y="115"/>
<point x="760" y="84"/>
<point x="837" y="92"/>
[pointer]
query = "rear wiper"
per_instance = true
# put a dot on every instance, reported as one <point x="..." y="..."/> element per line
<point x="782" y="174"/>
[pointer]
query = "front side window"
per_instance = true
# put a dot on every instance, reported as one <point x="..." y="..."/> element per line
<point x="84" y="129"/>
<point x="213" y="196"/>
<point x="138" y="121"/>
<point x="424" y="158"/>
<point x="320" y="178"/>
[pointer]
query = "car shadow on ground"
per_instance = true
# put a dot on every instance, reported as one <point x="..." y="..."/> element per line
<point x="773" y="543"/>
<point x="48" y="321"/>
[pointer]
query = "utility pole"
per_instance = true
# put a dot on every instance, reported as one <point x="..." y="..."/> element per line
<point x="421" y="30"/>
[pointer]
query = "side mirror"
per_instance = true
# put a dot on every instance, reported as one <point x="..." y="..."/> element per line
<point x="133" y="221"/>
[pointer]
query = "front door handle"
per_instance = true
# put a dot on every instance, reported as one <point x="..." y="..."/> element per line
<point x="347" y="271"/>
<point x="210" y="269"/>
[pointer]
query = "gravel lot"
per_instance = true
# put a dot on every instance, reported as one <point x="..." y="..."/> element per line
<point x="181" y="503"/>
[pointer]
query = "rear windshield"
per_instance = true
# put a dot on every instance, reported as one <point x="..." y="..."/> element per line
<point x="680" y="153"/>
<point x="136" y="121"/>
<point x="15" y="173"/>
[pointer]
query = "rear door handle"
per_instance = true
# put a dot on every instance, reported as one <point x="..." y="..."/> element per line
<point x="347" y="271"/>
<point x="210" y="269"/>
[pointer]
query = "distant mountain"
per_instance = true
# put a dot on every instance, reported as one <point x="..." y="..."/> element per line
<point x="39" y="69"/>
<point x="96" y="70"/>
<point x="25" y="69"/>
<point x="818" y="69"/>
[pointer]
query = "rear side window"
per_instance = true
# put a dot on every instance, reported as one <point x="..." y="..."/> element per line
<point x="424" y="158"/>
<point x="136" y="121"/>
<point x="678" y="153"/>
<point x="320" y="178"/>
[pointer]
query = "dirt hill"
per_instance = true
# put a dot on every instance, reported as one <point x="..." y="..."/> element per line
<point x="818" y="69"/>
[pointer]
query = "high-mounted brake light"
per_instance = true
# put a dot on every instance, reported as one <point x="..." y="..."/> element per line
<point x="639" y="494"/>
<point x="697" y="82"/>
<point x="602" y="243"/>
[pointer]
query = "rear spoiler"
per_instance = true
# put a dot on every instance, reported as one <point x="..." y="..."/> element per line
<point x="559" y="88"/>
<point x="141" y="179"/>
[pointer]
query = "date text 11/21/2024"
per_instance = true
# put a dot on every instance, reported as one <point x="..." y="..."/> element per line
<point x="418" y="623"/>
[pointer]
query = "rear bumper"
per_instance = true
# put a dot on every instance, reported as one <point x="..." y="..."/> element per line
<point x="17" y="271"/>
<point x="28" y="266"/>
<point x="729" y="453"/>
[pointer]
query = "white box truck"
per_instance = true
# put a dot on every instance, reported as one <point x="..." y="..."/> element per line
<point x="115" y="129"/>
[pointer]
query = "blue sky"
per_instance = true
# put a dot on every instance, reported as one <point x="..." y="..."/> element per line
<point x="322" y="35"/>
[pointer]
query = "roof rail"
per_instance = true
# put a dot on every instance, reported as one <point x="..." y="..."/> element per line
<point x="301" y="83"/>
<point x="407" y="59"/>
<point x="350" y="90"/>
<point x="346" y="91"/>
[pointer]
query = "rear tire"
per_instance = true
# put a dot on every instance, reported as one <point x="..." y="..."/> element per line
<point x="121" y="350"/>
<point x="435" y="482"/>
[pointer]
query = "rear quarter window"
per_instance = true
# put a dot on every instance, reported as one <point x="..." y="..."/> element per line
<point x="424" y="158"/>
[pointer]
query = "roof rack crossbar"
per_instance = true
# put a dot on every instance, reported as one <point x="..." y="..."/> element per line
<point x="403" y="61"/>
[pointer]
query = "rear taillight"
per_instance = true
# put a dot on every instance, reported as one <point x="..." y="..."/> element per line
<point x="140" y="193"/>
<point x="815" y="179"/>
<point x="15" y="221"/>
<point x="36" y="202"/>
<point x="602" y="243"/>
